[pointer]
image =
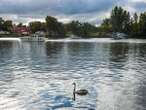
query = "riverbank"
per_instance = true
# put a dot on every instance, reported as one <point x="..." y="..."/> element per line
<point x="12" y="35"/>
<point x="91" y="36"/>
<point x="89" y="40"/>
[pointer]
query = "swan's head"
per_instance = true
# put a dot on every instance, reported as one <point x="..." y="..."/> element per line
<point x="74" y="83"/>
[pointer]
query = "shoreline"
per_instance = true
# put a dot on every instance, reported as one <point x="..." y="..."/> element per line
<point x="103" y="35"/>
<point x="89" y="40"/>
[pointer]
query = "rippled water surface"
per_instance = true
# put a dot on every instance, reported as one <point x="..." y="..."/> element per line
<point x="39" y="76"/>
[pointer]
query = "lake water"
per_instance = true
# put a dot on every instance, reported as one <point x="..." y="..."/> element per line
<point x="39" y="76"/>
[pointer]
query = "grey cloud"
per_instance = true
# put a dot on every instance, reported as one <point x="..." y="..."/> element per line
<point x="54" y="6"/>
<point x="83" y="6"/>
<point x="85" y="10"/>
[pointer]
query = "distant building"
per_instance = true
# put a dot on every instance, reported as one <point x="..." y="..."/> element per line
<point x="23" y="30"/>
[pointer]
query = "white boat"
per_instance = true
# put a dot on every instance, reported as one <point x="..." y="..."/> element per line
<point x="74" y="37"/>
<point x="33" y="38"/>
<point x="118" y="36"/>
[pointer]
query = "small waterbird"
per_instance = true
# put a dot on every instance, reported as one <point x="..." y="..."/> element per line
<point x="79" y="92"/>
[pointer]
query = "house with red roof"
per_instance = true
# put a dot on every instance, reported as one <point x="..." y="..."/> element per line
<point x="22" y="30"/>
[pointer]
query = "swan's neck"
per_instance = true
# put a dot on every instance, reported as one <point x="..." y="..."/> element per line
<point x="74" y="88"/>
<point x="74" y="92"/>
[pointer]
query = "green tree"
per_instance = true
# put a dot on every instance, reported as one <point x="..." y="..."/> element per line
<point x="135" y="25"/>
<point x="87" y="30"/>
<point x="36" y="26"/>
<point x="106" y="25"/>
<point x="142" y="23"/>
<point x="126" y="22"/>
<point x="135" y="18"/>
<point x="20" y="25"/>
<point x="7" y="25"/>
<point x="74" y="27"/>
<point x="43" y="26"/>
<point x="80" y="29"/>
<point x="54" y="28"/>
<point x="120" y="20"/>
<point x="1" y="23"/>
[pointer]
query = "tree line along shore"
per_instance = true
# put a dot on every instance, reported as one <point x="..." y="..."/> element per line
<point x="120" y="20"/>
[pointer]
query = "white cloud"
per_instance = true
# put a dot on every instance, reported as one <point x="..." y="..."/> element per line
<point x="138" y="1"/>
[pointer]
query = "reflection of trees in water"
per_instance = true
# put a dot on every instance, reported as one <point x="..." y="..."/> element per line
<point x="7" y="52"/>
<point x="122" y="54"/>
<point x="83" y="49"/>
<point x="118" y="55"/>
<point x="137" y="54"/>
<point x="55" y="48"/>
<point x="57" y="55"/>
<point x="134" y="57"/>
<point x="52" y="49"/>
<point x="6" y="49"/>
<point x="118" y="52"/>
<point x="139" y="51"/>
<point x="68" y="55"/>
<point x="71" y="48"/>
<point x="35" y="49"/>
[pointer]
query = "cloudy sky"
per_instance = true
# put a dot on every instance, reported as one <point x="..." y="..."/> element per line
<point x="92" y="11"/>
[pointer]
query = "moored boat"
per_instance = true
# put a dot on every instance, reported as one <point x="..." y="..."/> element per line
<point x="34" y="38"/>
<point x="118" y="36"/>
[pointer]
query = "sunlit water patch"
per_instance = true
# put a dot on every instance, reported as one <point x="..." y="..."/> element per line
<point x="10" y="39"/>
<point x="98" y="40"/>
<point x="39" y="76"/>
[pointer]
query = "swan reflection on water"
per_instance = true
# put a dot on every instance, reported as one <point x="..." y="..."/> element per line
<point x="61" y="102"/>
